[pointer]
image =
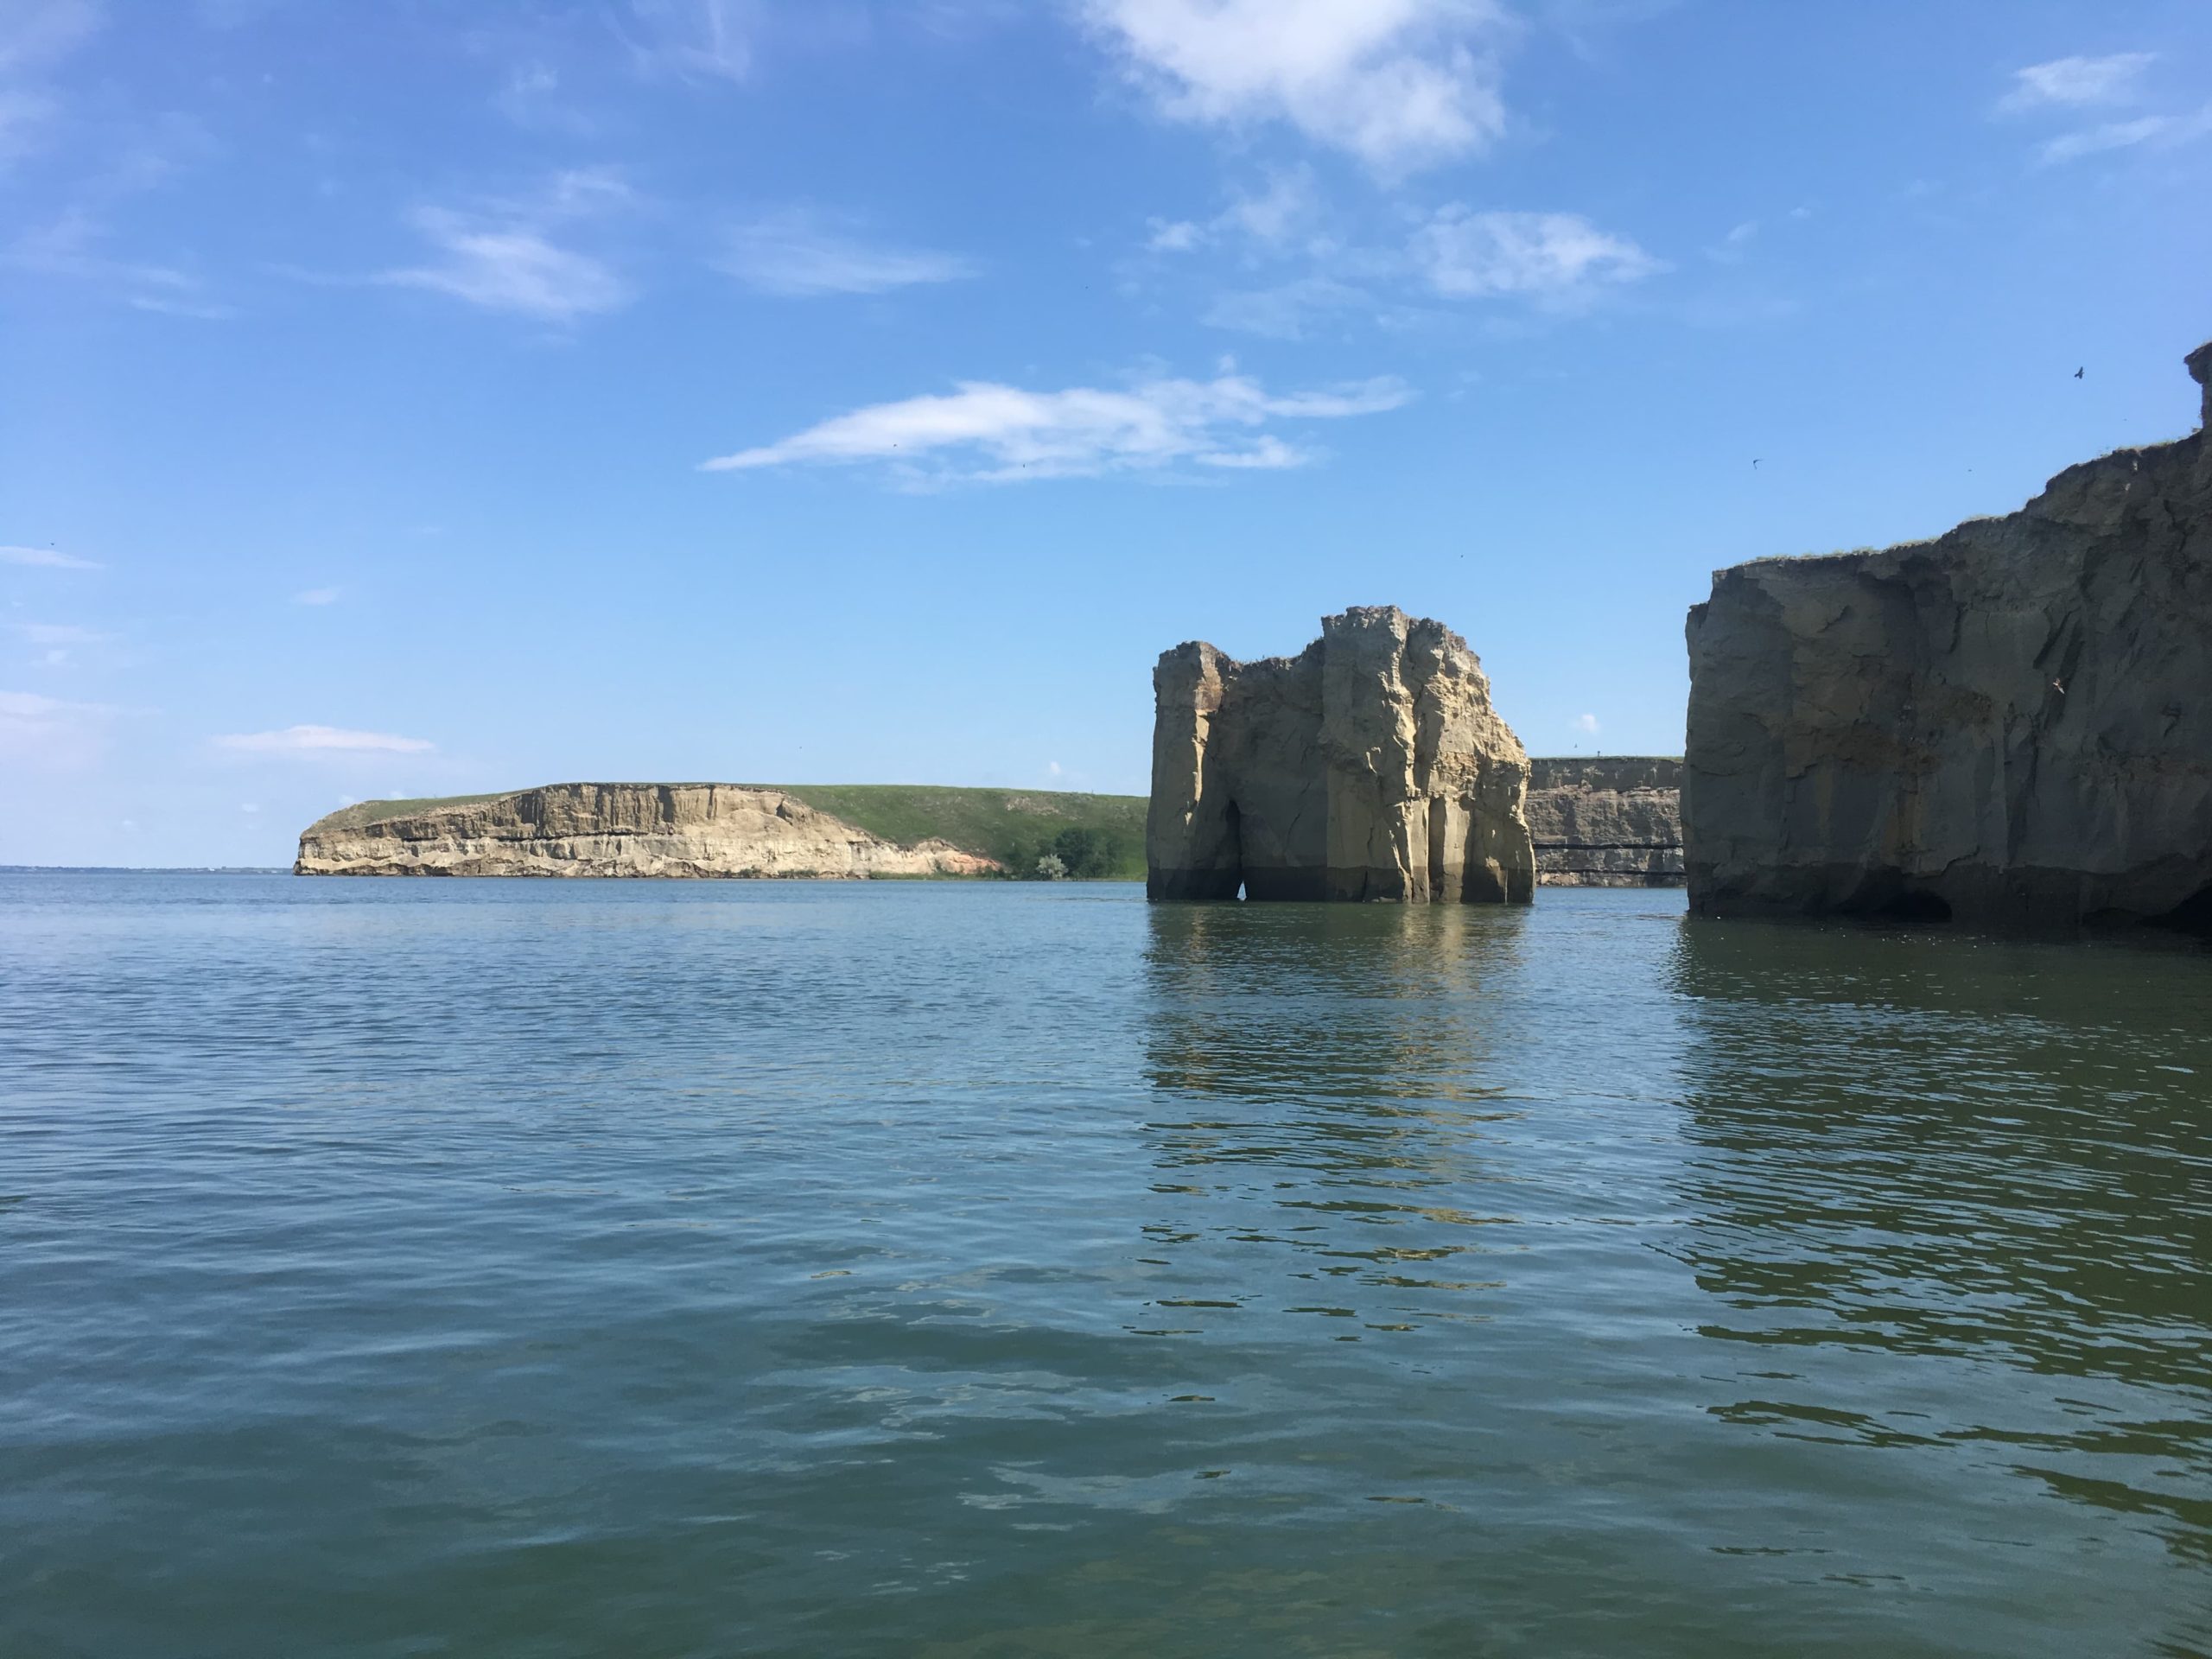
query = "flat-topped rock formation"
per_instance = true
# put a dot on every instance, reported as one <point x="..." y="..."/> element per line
<point x="1370" y="766"/>
<point x="1611" y="821"/>
<point x="618" y="830"/>
<point x="2008" y="726"/>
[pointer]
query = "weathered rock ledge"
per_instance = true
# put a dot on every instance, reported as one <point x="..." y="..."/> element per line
<point x="2009" y="726"/>
<point x="619" y="830"/>
<point x="1611" y="821"/>
<point x="1370" y="766"/>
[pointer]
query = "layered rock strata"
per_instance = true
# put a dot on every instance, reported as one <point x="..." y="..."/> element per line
<point x="1370" y="766"/>
<point x="619" y="830"/>
<point x="1607" y="822"/>
<point x="2009" y="726"/>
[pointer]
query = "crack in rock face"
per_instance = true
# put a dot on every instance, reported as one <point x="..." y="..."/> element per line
<point x="1368" y="766"/>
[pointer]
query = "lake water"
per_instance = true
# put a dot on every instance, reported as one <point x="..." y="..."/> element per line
<point x="505" y="1269"/>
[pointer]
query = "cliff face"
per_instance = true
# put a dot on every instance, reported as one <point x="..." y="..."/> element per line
<point x="642" y="830"/>
<point x="1371" y="765"/>
<point x="2009" y="726"/>
<point x="1609" y="821"/>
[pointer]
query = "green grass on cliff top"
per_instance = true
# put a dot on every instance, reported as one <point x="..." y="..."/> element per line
<point x="1011" y="826"/>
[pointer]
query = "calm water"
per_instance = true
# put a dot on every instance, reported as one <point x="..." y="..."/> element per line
<point x="486" y="1268"/>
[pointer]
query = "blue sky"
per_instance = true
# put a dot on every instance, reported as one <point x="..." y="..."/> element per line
<point x="419" y="399"/>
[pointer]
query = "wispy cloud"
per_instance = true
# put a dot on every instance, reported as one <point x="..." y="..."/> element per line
<point x="58" y="633"/>
<point x="799" y="254"/>
<point x="1731" y="249"/>
<point x="51" y="731"/>
<point x="317" y="596"/>
<point x="75" y="246"/>
<point x="1548" y="256"/>
<point x="34" y="34"/>
<point x="1586" y="724"/>
<point x="46" y="557"/>
<point x="691" y="40"/>
<point x="1285" y="311"/>
<point x="24" y="117"/>
<point x="501" y="254"/>
<point x="1401" y="84"/>
<point x="2074" y="83"/>
<point x="985" y="432"/>
<point x="2160" y="131"/>
<point x="1287" y="205"/>
<point x="324" y="740"/>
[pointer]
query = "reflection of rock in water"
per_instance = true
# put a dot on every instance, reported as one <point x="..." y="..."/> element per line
<point x="1951" y="1150"/>
<point x="1323" y="1077"/>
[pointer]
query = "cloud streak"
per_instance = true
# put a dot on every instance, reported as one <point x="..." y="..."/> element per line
<point x="2074" y="83"/>
<point x="798" y="256"/>
<point x="45" y="557"/>
<point x="503" y="257"/>
<point x="2160" y="131"/>
<point x="323" y="740"/>
<point x="985" y="432"/>
<point x="1401" y="84"/>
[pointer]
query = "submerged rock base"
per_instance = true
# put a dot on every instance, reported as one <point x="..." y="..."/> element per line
<point x="2009" y="726"/>
<point x="1370" y="766"/>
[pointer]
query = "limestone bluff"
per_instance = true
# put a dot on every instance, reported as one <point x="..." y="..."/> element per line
<point x="1370" y="766"/>
<point x="619" y="830"/>
<point x="2009" y="726"/>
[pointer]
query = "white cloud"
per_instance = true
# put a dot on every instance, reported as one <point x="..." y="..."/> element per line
<point x="2071" y="83"/>
<point x="45" y="556"/>
<point x="51" y="633"/>
<point x="501" y="255"/>
<point x="1399" y="83"/>
<point x="317" y="596"/>
<point x="1540" y="255"/>
<point x="996" y="433"/>
<point x="324" y="740"/>
<point x="2162" y="131"/>
<point x="1586" y="724"/>
<point x="799" y="254"/>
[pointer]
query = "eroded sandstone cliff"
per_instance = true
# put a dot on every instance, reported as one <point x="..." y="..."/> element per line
<point x="1371" y="765"/>
<point x="1607" y="821"/>
<point x="618" y="830"/>
<point x="2008" y="726"/>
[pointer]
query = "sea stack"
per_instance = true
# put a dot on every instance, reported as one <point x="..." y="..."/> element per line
<point x="1368" y="766"/>
<point x="2008" y="727"/>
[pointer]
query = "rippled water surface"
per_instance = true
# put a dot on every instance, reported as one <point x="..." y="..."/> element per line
<point x="490" y="1269"/>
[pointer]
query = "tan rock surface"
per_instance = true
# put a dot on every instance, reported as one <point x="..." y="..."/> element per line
<point x="2008" y="726"/>
<point x="1371" y="765"/>
<point x="619" y="830"/>
<point x="1611" y="821"/>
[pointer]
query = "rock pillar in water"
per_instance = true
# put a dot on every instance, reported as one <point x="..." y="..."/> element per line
<point x="1370" y="766"/>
